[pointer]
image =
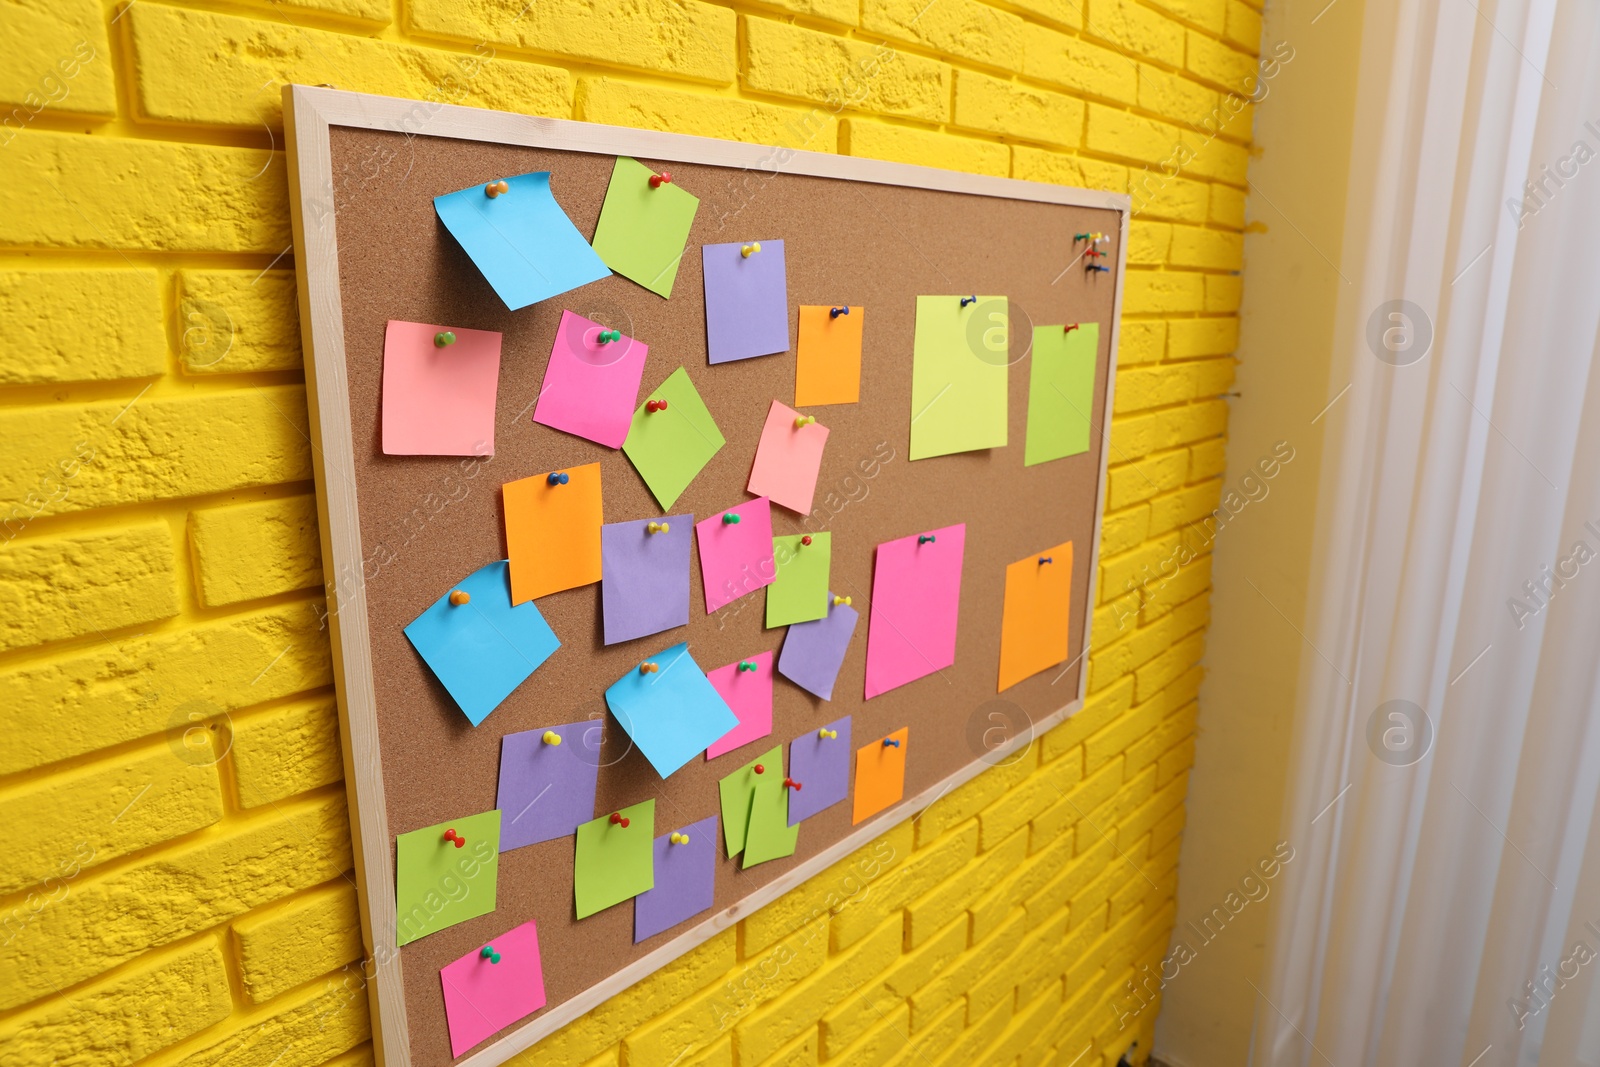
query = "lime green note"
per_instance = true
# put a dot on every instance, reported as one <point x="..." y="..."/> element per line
<point x="615" y="861"/>
<point x="642" y="229"/>
<point x="438" y="882"/>
<point x="737" y="790"/>
<point x="800" y="592"/>
<point x="669" y="445"/>
<point x="958" y="374"/>
<point x="769" y="836"/>
<point x="1060" y="392"/>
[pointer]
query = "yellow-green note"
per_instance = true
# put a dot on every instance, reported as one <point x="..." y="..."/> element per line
<point x="738" y="788"/>
<point x="439" y="882"/>
<point x="769" y="836"/>
<point x="800" y="592"/>
<point x="669" y="445"/>
<point x="642" y="229"/>
<point x="1060" y="392"/>
<point x="615" y="862"/>
<point x="958" y="374"/>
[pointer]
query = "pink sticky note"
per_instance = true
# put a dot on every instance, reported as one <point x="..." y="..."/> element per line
<point x="788" y="458"/>
<point x="482" y="997"/>
<point x="749" y="694"/>
<point x="916" y="596"/>
<point x="592" y="383"/>
<point x="736" y="557"/>
<point x="439" y="400"/>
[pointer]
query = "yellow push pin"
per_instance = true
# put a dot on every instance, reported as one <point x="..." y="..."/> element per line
<point x="679" y="839"/>
<point x="827" y="733"/>
<point x="804" y="420"/>
<point x="750" y="249"/>
<point x="460" y="596"/>
<point x="841" y="600"/>
<point x="659" y="527"/>
<point x="552" y="738"/>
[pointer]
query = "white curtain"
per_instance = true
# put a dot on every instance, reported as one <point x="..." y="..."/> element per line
<point x="1444" y="904"/>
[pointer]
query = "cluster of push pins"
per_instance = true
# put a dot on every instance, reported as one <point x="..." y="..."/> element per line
<point x="1093" y="252"/>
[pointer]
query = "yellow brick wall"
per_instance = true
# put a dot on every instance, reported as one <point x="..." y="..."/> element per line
<point x="177" y="885"/>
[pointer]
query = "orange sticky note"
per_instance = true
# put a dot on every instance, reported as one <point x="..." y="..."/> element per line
<point x="553" y="531"/>
<point x="1038" y="607"/>
<point x="827" y="368"/>
<point x="880" y="774"/>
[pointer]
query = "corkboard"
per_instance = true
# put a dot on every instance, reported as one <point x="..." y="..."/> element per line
<point x="425" y="522"/>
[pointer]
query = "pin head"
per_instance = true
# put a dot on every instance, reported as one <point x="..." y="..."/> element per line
<point x="730" y="518"/>
<point x="834" y="313"/>
<point x="890" y="742"/>
<point x="826" y="733"/>
<point x="923" y="539"/>
<point x="1047" y="559"/>
<point x="659" y="527"/>
<point x="805" y="539"/>
<point x="649" y="667"/>
<point x="490" y="954"/>
<point x="759" y="769"/>
<point x="968" y="300"/>
<point x="494" y="189"/>
<point x="551" y="737"/>
<point x="460" y="596"/>
<point x="750" y="249"/>
<point x="618" y="820"/>
<point x="443" y="338"/>
<point x="656" y="405"/>
<point x="841" y="600"/>
<point x="607" y="336"/>
<point x="679" y="839"/>
<point x="804" y="420"/>
<point x="1069" y="327"/>
<point x="746" y="665"/>
<point x="557" y="478"/>
<point x="454" y="838"/>
<point x="658" y="180"/>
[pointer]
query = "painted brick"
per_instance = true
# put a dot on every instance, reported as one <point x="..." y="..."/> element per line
<point x="649" y="107"/>
<point x="1131" y="483"/>
<point x="1189" y="338"/>
<point x="1160" y="192"/>
<point x="1123" y="529"/>
<point x="1243" y="27"/>
<point x="1138" y="29"/>
<point x="1140" y="388"/>
<point x="316" y="1022"/>
<point x="1213" y="61"/>
<point x="845" y="12"/>
<point x="285" y="944"/>
<point x="1207" y="249"/>
<point x="1040" y="165"/>
<point x="1166" y="830"/>
<point x="374" y="12"/>
<point x="1079" y="65"/>
<point x="1206" y="156"/>
<point x="1207" y="460"/>
<point x="1193" y="578"/>
<point x="981" y="1031"/>
<point x="282" y="752"/>
<point x="931" y="912"/>
<point x="921" y="966"/>
<point x="1227" y="206"/>
<point x="59" y="60"/>
<point x="1075" y="807"/>
<point x="840" y="887"/>
<point x="1147" y="246"/>
<point x="81" y="325"/>
<point x="1176" y="97"/>
<point x="880" y="1044"/>
<point x="1099" y="709"/>
<point x="1141" y="342"/>
<point x="1185" y="506"/>
<point x="234" y="321"/>
<point x="1127" y="571"/>
<point x="801" y="1052"/>
<point x="932" y="1036"/>
<point x="1223" y="292"/>
<point x="839" y="72"/>
<point x="1171" y="664"/>
<point x="903" y="144"/>
<point x="1174" y="763"/>
<point x="1133" y="137"/>
<point x="1142" y="434"/>
<point x="965" y="972"/>
<point x="1163" y="292"/>
<point x="247" y="551"/>
<point x="1013" y="109"/>
<point x="963" y="28"/>
<point x="971" y="797"/>
<point x="52" y="588"/>
<point x="1019" y="805"/>
<point x="926" y="869"/>
<point x="718" y="1055"/>
<point x="1206" y="14"/>
<point x="860" y="1008"/>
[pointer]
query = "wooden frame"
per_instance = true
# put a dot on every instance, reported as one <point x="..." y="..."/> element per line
<point x="309" y="115"/>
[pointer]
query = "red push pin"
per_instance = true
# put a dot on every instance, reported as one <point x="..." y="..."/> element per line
<point x="452" y="836"/>
<point x="806" y="540"/>
<point x="790" y="783"/>
<point x="1069" y="327"/>
<point x="618" y="820"/>
<point x="658" y="180"/>
<point x="760" y="769"/>
<point x="655" y="405"/>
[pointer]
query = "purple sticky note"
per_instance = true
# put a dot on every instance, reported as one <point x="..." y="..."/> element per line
<point x="487" y="993"/>
<point x="736" y="552"/>
<point x="749" y="694"/>
<point x="591" y="384"/>
<point x="814" y="651"/>
<point x="644" y="576"/>
<point x="547" y="790"/>
<point x="820" y="762"/>
<point x="685" y="880"/>
<point x="747" y="300"/>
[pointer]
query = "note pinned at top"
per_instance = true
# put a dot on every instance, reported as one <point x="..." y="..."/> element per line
<point x="769" y="835"/>
<point x="800" y="592"/>
<point x="672" y="437"/>
<point x="747" y="687"/>
<point x="958" y="374"/>
<point x="1060" y="391"/>
<point x="880" y="774"/>
<point x="645" y="587"/>
<point x="1038" y="609"/>
<point x="747" y="300"/>
<point x="547" y="782"/>
<point x="520" y="240"/>
<point x="685" y="877"/>
<point x="614" y="859"/>
<point x="916" y="599"/>
<point x="553" y="531"/>
<point x="827" y="365"/>
<point x="669" y="709"/>
<point x="445" y="874"/>
<point x="592" y="381"/>
<point x="736" y="790"/>
<point x="438" y="399"/>
<point x="493" y="986"/>
<point x="736" y="552"/>
<point x="644" y="225"/>
<point x="788" y="458"/>
<point x="820" y="761"/>
<point x="813" y="652"/>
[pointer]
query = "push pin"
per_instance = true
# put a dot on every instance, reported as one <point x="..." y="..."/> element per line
<point x="459" y="597"/>
<point x="805" y="539"/>
<point x="759" y="769"/>
<point x="750" y="249"/>
<point x="841" y="600"/>
<point x="454" y="838"/>
<point x="968" y="300"/>
<point x="826" y="733"/>
<point x="834" y="313"/>
<point x="649" y="667"/>
<point x="679" y="839"/>
<point x="790" y="783"/>
<point x="1069" y="327"/>
<point x="552" y="738"/>
<point x="730" y="518"/>
<point x="923" y="539"/>
<point x="1093" y="253"/>
<point x="490" y="954"/>
<point x="746" y="665"/>
<point x="444" y="338"/>
<point x="1081" y="237"/>
<point x="804" y="420"/>
<point x="888" y="741"/>
<point x="557" y="478"/>
<point x="1097" y="267"/>
<point x="658" y="180"/>
<point x="659" y="527"/>
<point x="655" y="405"/>
<point x="495" y="189"/>
<point x="618" y="820"/>
<point x="1047" y="559"/>
<point x="607" y="336"/>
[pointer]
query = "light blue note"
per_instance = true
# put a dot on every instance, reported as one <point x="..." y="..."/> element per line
<point x="483" y="649"/>
<point x="521" y="240"/>
<point x="673" y="712"/>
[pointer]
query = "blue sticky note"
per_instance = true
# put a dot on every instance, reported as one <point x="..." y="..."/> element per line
<point x="747" y="300"/>
<point x="483" y="649"/>
<point x="521" y="241"/>
<point x="672" y="713"/>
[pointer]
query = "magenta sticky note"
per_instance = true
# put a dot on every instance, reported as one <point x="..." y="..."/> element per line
<point x="644" y="576"/>
<point x="916" y="596"/>
<point x="736" y="556"/>
<point x="788" y="458"/>
<point x="546" y="790"/>
<point x="747" y="300"/>
<point x="814" y="651"/>
<point x="483" y="997"/>
<point x="820" y="761"/>
<point x="749" y="693"/>
<point x="438" y="400"/>
<point x="591" y="384"/>
<point x="686" y="873"/>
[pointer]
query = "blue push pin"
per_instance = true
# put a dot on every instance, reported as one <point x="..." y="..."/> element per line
<point x="834" y="313"/>
<point x="1098" y="267"/>
<point x="968" y="300"/>
<point x="887" y="741"/>
<point x="1047" y="559"/>
<point x="557" y="478"/>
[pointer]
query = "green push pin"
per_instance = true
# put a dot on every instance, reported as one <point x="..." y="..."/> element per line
<point x="730" y="518"/>
<point x="490" y="954"/>
<point x="925" y="538"/>
<point x="746" y="665"/>
<point x="447" y="337"/>
<point x="610" y="335"/>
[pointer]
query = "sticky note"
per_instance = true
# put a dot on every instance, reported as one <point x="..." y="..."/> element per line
<point x="642" y="230"/>
<point x="787" y="459"/>
<point x="800" y="591"/>
<point x="736" y="557"/>
<point x="645" y="583"/>
<point x="439" y="401"/>
<point x="916" y="597"/>
<point x="669" y="446"/>
<point x="685" y="875"/>
<point x="591" y="384"/>
<point x="822" y="767"/>
<point x="481" y="650"/>
<point x="546" y="791"/>
<point x="747" y="301"/>
<point x="880" y="775"/>
<point x="672" y="712"/>
<point x="613" y="861"/>
<point x="827" y="363"/>
<point x="958" y="375"/>
<point x="813" y="652"/>
<point x="770" y="835"/>
<point x="1060" y="391"/>
<point x="1038" y="608"/>
<point x="521" y="241"/>
<point x="735" y="790"/>
<point x="483" y="994"/>
<point x="553" y="532"/>
<point x="749" y="695"/>
<point x="439" y="884"/>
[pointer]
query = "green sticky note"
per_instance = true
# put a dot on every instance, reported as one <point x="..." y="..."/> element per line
<point x="642" y="231"/>
<point x="800" y="591"/>
<point x="614" y="862"/>
<point x="958" y="375"/>
<point x="437" y="882"/>
<point x="1060" y="392"/>
<point x="769" y="836"/>
<point x="669" y="446"/>
<point x="737" y="789"/>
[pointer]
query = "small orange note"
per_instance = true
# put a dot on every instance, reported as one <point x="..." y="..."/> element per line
<point x="880" y="774"/>
<point x="553" y="531"/>
<point x="827" y="366"/>
<point x="1038" y="607"/>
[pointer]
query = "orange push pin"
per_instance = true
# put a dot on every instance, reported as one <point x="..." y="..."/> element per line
<point x="649" y="668"/>
<point x="494" y="189"/>
<point x="459" y="597"/>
